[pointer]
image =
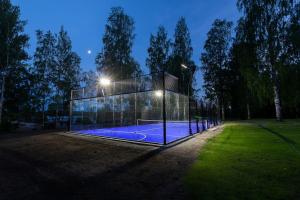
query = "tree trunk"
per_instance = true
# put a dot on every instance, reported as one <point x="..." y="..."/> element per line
<point x="218" y="109"/>
<point x="2" y="97"/>
<point x="248" y="111"/>
<point x="57" y="117"/>
<point x="223" y="112"/>
<point x="297" y="111"/>
<point x="277" y="102"/>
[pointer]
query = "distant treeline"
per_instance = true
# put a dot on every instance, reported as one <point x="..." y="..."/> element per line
<point x="254" y="69"/>
<point x="251" y="70"/>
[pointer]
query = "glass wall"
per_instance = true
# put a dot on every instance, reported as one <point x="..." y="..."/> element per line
<point x="135" y="116"/>
<point x="132" y="109"/>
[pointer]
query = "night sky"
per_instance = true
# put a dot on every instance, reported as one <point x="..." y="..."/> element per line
<point x="84" y="20"/>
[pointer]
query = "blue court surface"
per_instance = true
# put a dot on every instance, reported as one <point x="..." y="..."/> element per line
<point x="150" y="133"/>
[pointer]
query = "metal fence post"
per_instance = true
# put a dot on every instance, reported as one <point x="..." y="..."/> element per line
<point x="70" y="111"/>
<point x="164" y="110"/>
<point x="197" y="119"/>
<point x="135" y="99"/>
<point x="189" y="104"/>
<point x="70" y="116"/>
<point x="189" y="110"/>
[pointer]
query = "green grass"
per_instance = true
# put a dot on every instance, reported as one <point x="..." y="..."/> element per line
<point x="248" y="161"/>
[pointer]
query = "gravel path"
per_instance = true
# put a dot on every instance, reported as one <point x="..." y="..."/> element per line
<point x="57" y="165"/>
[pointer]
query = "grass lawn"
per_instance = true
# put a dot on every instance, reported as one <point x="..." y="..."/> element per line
<point x="250" y="160"/>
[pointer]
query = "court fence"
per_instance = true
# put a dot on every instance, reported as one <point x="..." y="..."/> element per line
<point x="146" y="109"/>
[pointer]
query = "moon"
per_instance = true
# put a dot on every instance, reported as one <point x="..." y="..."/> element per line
<point x="89" y="51"/>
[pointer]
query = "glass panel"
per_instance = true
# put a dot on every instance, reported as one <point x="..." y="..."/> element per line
<point x="171" y="82"/>
<point x="76" y="117"/>
<point x="194" y="117"/>
<point x="177" y="116"/>
<point x="150" y="82"/>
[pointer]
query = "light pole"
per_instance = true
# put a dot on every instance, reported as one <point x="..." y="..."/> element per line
<point x="189" y="87"/>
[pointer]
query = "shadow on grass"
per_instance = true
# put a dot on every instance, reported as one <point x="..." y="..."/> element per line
<point x="287" y="140"/>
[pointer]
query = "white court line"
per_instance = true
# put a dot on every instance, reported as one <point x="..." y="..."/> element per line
<point x="138" y="132"/>
<point x="109" y="131"/>
<point x="167" y="135"/>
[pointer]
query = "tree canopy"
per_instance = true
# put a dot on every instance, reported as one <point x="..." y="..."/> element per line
<point x="158" y="52"/>
<point x="215" y="63"/>
<point x="115" y="58"/>
<point x="13" y="69"/>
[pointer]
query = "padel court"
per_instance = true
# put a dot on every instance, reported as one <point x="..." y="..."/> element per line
<point x="149" y="109"/>
<point x="149" y="133"/>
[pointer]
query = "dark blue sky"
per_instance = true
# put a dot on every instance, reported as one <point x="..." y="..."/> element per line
<point x="84" y="21"/>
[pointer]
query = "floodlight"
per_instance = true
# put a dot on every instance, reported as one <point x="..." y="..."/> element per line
<point x="184" y="66"/>
<point x="104" y="81"/>
<point x="158" y="93"/>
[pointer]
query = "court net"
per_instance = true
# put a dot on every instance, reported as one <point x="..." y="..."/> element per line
<point x="141" y="122"/>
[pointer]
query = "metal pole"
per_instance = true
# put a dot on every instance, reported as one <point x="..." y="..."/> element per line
<point x="164" y="111"/>
<point x="135" y="104"/>
<point x="96" y="105"/>
<point x="114" y="96"/>
<point x="189" y="104"/>
<point x="70" y="111"/>
<point x="189" y="112"/>
<point x="70" y="115"/>
<point x="82" y="105"/>
<point x="189" y="85"/>
<point x="197" y="120"/>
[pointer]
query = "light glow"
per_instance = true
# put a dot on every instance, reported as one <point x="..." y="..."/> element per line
<point x="184" y="66"/>
<point x="158" y="93"/>
<point x="104" y="81"/>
